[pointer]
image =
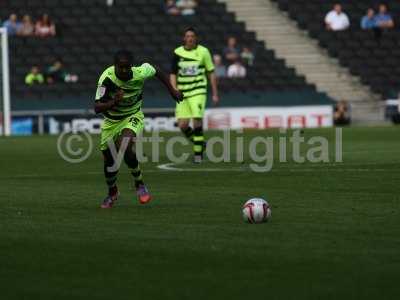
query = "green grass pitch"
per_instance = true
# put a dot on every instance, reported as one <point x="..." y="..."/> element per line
<point x="334" y="231"/>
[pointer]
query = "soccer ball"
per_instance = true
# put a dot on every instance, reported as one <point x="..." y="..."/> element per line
<point x="256" y="210"/>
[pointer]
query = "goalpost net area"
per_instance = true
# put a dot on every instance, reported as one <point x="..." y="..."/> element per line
<point x="5" y="103"/>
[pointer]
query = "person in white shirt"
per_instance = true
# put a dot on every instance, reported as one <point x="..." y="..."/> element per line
<point x="187" y="7"/>
<point x="236" y="70"/>
<point x="337" y="20"/>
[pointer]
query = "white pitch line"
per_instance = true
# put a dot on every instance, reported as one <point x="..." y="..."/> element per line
<point x="329" y="170"/>
<point x="169" y="167"/>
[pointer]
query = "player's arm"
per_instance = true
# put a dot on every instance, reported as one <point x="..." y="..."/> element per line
<point x="214" y="87"/>
<point x="211" y="77"/>
<point x="106" y="102"/>
<point x="174" y="71"/>
<point x="172" y="80"/>
<point x="163" y="77"/>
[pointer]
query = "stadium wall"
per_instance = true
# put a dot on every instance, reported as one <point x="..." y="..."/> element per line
<point x="56" y="122"/>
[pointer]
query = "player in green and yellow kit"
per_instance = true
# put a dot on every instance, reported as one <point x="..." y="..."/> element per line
<point x="119" y="98"/>
<point x="191" y="65"/>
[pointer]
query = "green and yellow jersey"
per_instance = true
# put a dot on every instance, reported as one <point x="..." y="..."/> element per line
<point x="109" y="84"/>
<point x="191" y="68"/>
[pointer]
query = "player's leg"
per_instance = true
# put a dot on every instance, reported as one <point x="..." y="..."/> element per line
<point x="111" y="179"/>
<point x="198" y="140"/>
<point x="197" y="106"/>
<point x="109" y="132"/>
<point x="184" y="126"/>
<point x="183" y="115"/>
<point x="129" y="135"/>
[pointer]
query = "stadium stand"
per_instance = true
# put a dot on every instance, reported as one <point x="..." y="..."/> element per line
<point x="89" y="32"/>
<point x="375" y="60"/>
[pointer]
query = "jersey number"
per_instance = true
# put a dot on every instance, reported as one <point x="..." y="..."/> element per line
<point x="192" y="70"/>
<point x="134" y="121"/>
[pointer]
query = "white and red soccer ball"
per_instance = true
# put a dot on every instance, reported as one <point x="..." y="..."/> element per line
<point x="256" y="210"/>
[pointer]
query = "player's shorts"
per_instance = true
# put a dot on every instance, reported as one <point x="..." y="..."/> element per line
<point x="111" y="129"/>
<point x="192" y="107"/>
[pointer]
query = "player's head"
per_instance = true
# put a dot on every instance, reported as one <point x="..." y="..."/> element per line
<point x="123" y="62"/>
<point x="190" y="38"/>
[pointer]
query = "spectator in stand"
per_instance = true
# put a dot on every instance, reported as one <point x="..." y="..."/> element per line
<point x="237" y="70"/>
<point x="12" y="24"/>
<point x="336" y="19"/>
<point x="55" y="73"/>
<point x="171" y="8"/>
<point x="231" y="51"/>
<point x="45" y="27"/>
<point x="247" y="56"/>
<point x="220" y="69"/>
<point x="384" y="20"/>
<point x="187" y="7"/>
<point x="34" y="77"/>
<point x="27" y="28"/>
<point x="341" y="115"/>
<point x="368" y="21"/>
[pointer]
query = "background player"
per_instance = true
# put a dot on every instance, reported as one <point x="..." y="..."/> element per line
<point x="191" y="65"/>
<point x="119" y="98"/>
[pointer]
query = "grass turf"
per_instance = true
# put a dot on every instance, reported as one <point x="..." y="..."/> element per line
<point x="334" y="232"/>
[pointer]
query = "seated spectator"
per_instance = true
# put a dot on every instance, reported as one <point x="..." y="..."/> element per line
<point x="56" y="74"/>
<point x="341" y="115"/>
<point x="187" y="7"/>
<point x="231" y="51"/>
<point x="368" y="21"/>
<point x="336" y="19"/>
<point x="384" y="20"/>
<point x="247" y="56"/>
<point x="27" y="28"/>
<point x="45" y="27"/>
<point x="171" y="8"/>
<point x="12" y="25"/>
<point x="237" y="70"/>
<point x="220" y="69"/>
<point x="34" y="77"/>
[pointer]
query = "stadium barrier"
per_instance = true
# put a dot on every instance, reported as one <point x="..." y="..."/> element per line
<point x="162" y="119"/>
<point x="311" y="116"/>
